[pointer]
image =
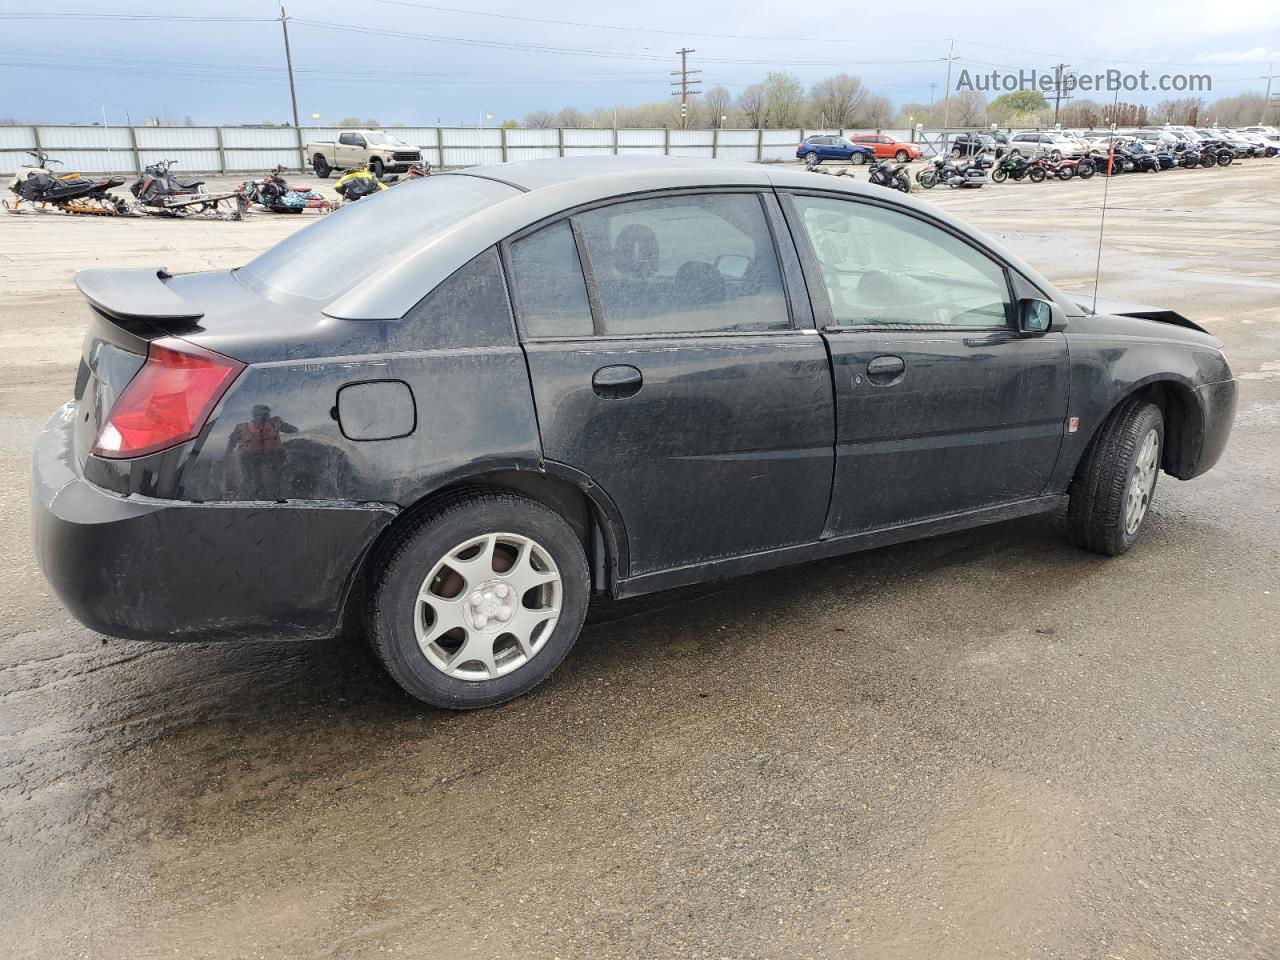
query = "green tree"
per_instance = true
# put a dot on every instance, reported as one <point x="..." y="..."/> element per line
<point x="783" y="100"/>
<point x="1017" y="104"/>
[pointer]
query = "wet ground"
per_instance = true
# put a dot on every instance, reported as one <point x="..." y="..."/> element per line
<point x="985" y="745"/>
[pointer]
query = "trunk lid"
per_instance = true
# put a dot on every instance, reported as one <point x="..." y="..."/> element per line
<point x="127" y="310"/>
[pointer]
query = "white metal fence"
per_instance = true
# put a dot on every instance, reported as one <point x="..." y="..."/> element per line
<point x="231" y="150"/>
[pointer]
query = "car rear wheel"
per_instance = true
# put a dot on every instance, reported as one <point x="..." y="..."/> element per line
<point x="1115" y="481"/>
<point x="811" y="158"/>
<point x="479" y="601"/>
<point x="321" y="166"/>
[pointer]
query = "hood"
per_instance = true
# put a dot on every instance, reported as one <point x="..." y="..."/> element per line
<point x="1120" y="308"/>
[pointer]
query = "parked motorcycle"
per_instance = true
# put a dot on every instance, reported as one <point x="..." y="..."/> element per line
<point x="1188" y="155"/>
<point x="160" y="193"/>
<point x="357" y="183"/>
<point x="1143" y="162"/>
<point x="274" y="193"/>
<point x="941" y="170"/>
<point x="1017" y="167"/>
<point x="68" y="192"/>
<point x="892" y="175"/>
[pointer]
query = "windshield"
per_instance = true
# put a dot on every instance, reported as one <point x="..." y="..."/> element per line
<point x="318" y="263"/>
<point x="385" y="139"/>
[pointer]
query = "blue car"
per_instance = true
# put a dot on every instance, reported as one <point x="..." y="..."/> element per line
<point x="821" y="147"/>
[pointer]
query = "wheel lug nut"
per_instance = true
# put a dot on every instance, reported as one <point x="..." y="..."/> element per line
<point x="504" y="614"/>
<point x="480" y="622"/>
<point x="476" y="599"/>
<point x="501" y="590"/>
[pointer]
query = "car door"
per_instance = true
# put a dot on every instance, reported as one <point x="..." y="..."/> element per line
<point x="351" y="149"/>
<point x="829" y="149"/>
<point x="942" y="407"/>
<point x="688" y="384"/>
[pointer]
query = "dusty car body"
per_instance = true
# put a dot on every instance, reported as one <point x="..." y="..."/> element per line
<point x="673" y="370"/>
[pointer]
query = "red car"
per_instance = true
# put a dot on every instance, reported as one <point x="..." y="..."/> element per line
<point x="887" y="146"/>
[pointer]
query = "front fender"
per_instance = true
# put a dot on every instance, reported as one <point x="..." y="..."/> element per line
<point x="1130" y="358"/>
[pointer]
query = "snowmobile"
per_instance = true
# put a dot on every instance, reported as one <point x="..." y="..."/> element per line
<point x="274" y="193"/>
<point x="160" y="193"/>
<point x="68" y="192"/>
<point x="358" y="182"/>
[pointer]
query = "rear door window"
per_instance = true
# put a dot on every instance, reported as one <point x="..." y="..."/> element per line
<point x="685" y="264"/>
<point x="550" y="292"/>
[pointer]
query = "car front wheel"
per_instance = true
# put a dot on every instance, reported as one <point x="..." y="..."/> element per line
<point x="858" y="159"/>
<point x="902" y="156"/>
<point x="1116" y="479"/>
<point x="479" y="600"/>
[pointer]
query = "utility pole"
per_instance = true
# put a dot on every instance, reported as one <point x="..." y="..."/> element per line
<point x="933" y="85"/>
<point x="288" y="62"/>
<point x="1059" y="74"/>
<point x="685" y="84"/>
<point x="1266" y="101"/>
<point x="946" y="94"/>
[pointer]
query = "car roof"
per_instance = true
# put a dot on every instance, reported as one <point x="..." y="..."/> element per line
<point x="542" y="189"/>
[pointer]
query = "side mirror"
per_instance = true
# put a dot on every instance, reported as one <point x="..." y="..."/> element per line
<point x="1034" y="316"/>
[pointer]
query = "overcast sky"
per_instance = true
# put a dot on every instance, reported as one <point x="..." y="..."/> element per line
<point x="499" y="58"/>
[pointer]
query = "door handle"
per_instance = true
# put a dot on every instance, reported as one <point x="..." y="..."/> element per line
<point x="886" y="370"/>
<point x="617" y="381"/>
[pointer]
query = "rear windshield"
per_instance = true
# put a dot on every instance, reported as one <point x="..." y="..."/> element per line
<point x="322" y="261"/>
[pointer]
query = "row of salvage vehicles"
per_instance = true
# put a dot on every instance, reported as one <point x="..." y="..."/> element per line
<point x="160" y="193"/>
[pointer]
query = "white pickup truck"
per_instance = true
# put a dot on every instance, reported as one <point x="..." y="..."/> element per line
<point x="379" y="151"/>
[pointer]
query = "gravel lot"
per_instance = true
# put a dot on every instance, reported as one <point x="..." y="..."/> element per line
<point x="984" y="745"/>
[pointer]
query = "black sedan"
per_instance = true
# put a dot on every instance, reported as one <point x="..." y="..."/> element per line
<point x="465" y="405"/>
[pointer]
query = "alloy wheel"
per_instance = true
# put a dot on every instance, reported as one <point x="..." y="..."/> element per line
<point x="1141" y="482"/>
<point x="488" y="606"/>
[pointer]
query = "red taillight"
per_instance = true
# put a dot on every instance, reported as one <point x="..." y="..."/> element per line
<point x="168" y="400"/>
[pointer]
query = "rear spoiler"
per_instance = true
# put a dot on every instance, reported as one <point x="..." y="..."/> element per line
<point x="1120" y="309"/>
<point x="141" y="294"/>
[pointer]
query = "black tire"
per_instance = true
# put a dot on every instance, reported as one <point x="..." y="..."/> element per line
<point x="902" y="156"/>
<point x="812" y="158"/>
<point x="1066" y="173"/>
<point x="1085" y="170"/>
<point x="1096" y="518"/>
<point x="410" y="557"/>
<point x="376" y="167"/>
<point x="902" y="182"/>
<point x="1037" y="174"/>
<point x="321" y="166"/>
<point x="858" y="158"/>
<point x="1207" y="159"/>
<point x="1225" y="157"/>
<point x="999" y="175"/>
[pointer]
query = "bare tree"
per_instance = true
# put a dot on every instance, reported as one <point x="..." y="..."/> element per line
<point x="783" y="99"/>
<point x="833" y="100"/>
<point x="751" y="105"/>
<point x="969" y="108"/>
<point x="1180" y="110"/>
<point x="874" y="113"/>
<point x="571" y="117"/>
<point x="540" y="120"/>
<point x="718" y="99"/>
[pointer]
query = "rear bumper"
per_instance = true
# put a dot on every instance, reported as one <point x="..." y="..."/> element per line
<point x="1218" y="407"/>
<point x="147" y="569"/>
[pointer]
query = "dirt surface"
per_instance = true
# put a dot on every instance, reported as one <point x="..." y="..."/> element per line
<point x="979" y="746"/>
